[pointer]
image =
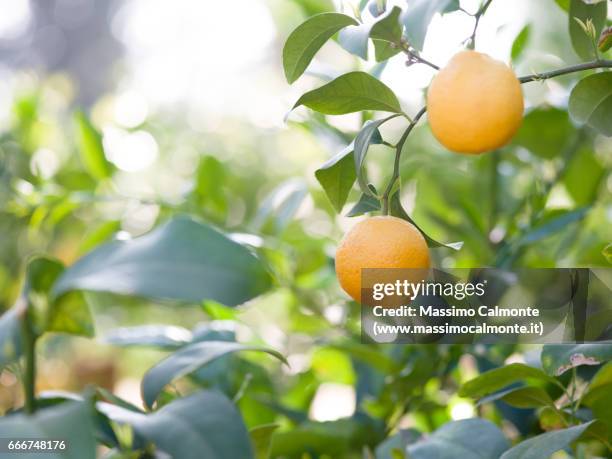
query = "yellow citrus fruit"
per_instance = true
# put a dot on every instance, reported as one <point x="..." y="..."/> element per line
<point x="378" y="242"/>
<point x="474" y="104"/>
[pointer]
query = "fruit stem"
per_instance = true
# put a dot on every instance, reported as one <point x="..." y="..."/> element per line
<point x="398" y="155"/>
<point x="596" y="64"/>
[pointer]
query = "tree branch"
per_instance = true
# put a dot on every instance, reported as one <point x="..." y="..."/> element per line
<point x="398" y="155"/>
<point x="571" y="69"/>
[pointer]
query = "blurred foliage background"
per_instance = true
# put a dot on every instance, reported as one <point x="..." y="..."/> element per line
<point x="187" y="101"/>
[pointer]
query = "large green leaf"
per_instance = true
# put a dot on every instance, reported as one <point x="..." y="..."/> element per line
<point x="90" y="148"/>
<point x="351" y="92"/>
<point x="161" y="336"/>
<point x="585" y="11"/>
<point x="186" y="361"/>
<point x="546" y="132"/>
<point x="545" y="445"/>
<point x="204" y="424"/>
<point x="590" y="102"/>
<point x="304" y="42"/>
<point x="498" y="378"/>
<point x="467" y="439"/>
<point x="558" y="358"/>
<point x="366" y="203"/>
<point x="70" y="421"/>
<point x="599" y="395"/>
<point x="417" y="17"/>
<point x="527" y="397"/>
<point x="181" y="260"/>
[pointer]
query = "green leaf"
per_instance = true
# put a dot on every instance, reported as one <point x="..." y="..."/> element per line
<point x="337" y="176"/>
<point x="582" y="43"/>
<point x="366" y="203"/>
<point x="351" y="92"/>
<point x="354" y="39"/>
<point x="186" y="361"/>
<point x="552" y="226"/>
<point x="70" y="421"/>
<point x="397" y="210"/>
<point x="386" y="34"/>
<point x="545" y="132"/>
<point x="10" y="335"/>
<point x="304" y="42"/>
<point x="90" y="148"/>
<point x="558" y="358"/>
<point x="590" y="102"/>
<point x="395" y="446"/>
<point x="527" y="397"/>
<point x="362" y="144"/>
<point x="417" y="17"/>
<point x="181" y="260"/>
<point x="66" y="313"/>
<point x="563" y="4"/>
<point x="599" y="395"/>
<point x="204" y="424"/>
<point x="518" y="46"/>
<point x="261" y="438"/>
<point x="467" y="439"/>
<point x="161" y="336"/>
<point x="605" y="40"/>
<point x="546" y="444"/>
<point x="584" y="163"/>
<point x="498" y="378"/>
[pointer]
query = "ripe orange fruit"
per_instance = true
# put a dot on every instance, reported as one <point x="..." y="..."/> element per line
<point x="378" y="242"/>
<point x="474" y="104"/>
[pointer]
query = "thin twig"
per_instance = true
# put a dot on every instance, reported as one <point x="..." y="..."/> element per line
<point x="597" y="64"/>
<point x="398" y="155"/>
<point x="477" y="16"/>
<point x="414" y="57"/>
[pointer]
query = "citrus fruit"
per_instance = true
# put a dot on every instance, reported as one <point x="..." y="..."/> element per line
<point x="474" y="104"/>
<point x="378" y="242"/>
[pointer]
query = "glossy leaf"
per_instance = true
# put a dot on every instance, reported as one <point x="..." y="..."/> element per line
<point x="279" y="206"/>
<point x="162" y="336"/>
<point x="521" y="40"/>
<point x="351" y="92"/>
<point x="187" y="360"/>
<point x="91" y="148"/>
<point x="417" y="17"/>
<point x="181" y="260"/>
<point x="582" y="11"/>
<point x="546" y="444"/>
<point x="591" y="102"/>
<point x="337" y="177"/>
<point x="304" y="42"/>
<point x="70" y="421"/>
<point x="204" y="424"/>
<point x="558" y="358"/>
<point x="528" y="397"/>
<point x="467" y="439"/>
<point x="498" y="378"/>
